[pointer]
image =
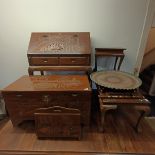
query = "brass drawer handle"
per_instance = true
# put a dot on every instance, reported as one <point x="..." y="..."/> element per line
<point x="74" y="95"/>
<point x="19" y="95"/>
<point x="45" y="61"/>
<point x="56" y="110"/>
<point x="45" y="98"/>
<point x="73" y="61"/>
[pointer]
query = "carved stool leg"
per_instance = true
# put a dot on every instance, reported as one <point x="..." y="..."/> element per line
<point x="138" y="121"/>
<point x="103" y="110"/>
<point x="144" y="110"/>
<point x="102" y="121"/>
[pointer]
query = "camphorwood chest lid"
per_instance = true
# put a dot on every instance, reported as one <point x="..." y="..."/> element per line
<point x="59" y="43"/>
<point x="50" y="83"/>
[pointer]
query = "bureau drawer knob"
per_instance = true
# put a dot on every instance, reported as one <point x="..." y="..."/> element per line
<point x="45" y="98"/>
<point x="57" y="110"/>
<point x="45" y="61"/>
<point x="74" y="95"/>
<point x="19" y="95"/>
<point x="73" y="61"/>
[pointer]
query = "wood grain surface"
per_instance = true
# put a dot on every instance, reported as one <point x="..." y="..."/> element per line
<point x="119" y="137"/>
<point x="50" y="83"/>
<point x="60" y="43"/>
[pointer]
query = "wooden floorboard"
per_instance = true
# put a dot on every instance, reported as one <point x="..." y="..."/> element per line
<point x="119" y="137"/>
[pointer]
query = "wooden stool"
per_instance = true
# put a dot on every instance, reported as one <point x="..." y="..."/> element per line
<point x="135" y="100"/>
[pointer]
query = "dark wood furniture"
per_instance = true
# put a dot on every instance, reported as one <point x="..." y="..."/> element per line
<point x="29" y="95"/>
<point x="118" y="53"/>
<point x="112" y="99"/>
<point x="59" y="51"/>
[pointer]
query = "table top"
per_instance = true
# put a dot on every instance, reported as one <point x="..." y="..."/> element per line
<point x="60" y="43"/>
<point x="116" y="80"/>
<point x="50" y="83"/>
<point x="110" y="52"/>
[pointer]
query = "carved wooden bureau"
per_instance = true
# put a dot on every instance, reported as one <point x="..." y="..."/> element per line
<point x="30" y="95"/>
<point x="69" y="51"/>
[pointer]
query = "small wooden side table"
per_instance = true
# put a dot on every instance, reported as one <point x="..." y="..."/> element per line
<point x="111" y="99"/>
<point x="110" y="52"/>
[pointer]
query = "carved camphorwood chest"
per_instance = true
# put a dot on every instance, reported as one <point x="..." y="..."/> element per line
<point x="31" y="94"/>
<point x="59" y="51"/>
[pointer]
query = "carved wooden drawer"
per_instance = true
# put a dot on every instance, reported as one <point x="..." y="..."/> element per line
<point x="69" y="100"/>
<point x="74" y="60"/>
<point x="58" y="122"/>
<point x="21" y="99"/>
<point x="45" y="61"/>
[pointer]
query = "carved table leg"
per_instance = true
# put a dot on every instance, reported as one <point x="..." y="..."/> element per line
<point x="42" y="72"/>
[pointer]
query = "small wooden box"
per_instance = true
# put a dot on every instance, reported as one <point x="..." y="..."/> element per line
<point x="58" y="122"/>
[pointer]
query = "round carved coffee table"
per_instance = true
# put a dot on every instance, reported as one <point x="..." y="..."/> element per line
<point x="116" y="88"/>
<point x="116" y="80"/>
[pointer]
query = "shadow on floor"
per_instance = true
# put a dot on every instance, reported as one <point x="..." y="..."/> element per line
<point x="152" y="105"/>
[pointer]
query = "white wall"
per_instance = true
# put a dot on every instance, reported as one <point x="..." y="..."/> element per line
<point x="112" y="23"/>
<point x="153" y="23"/>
